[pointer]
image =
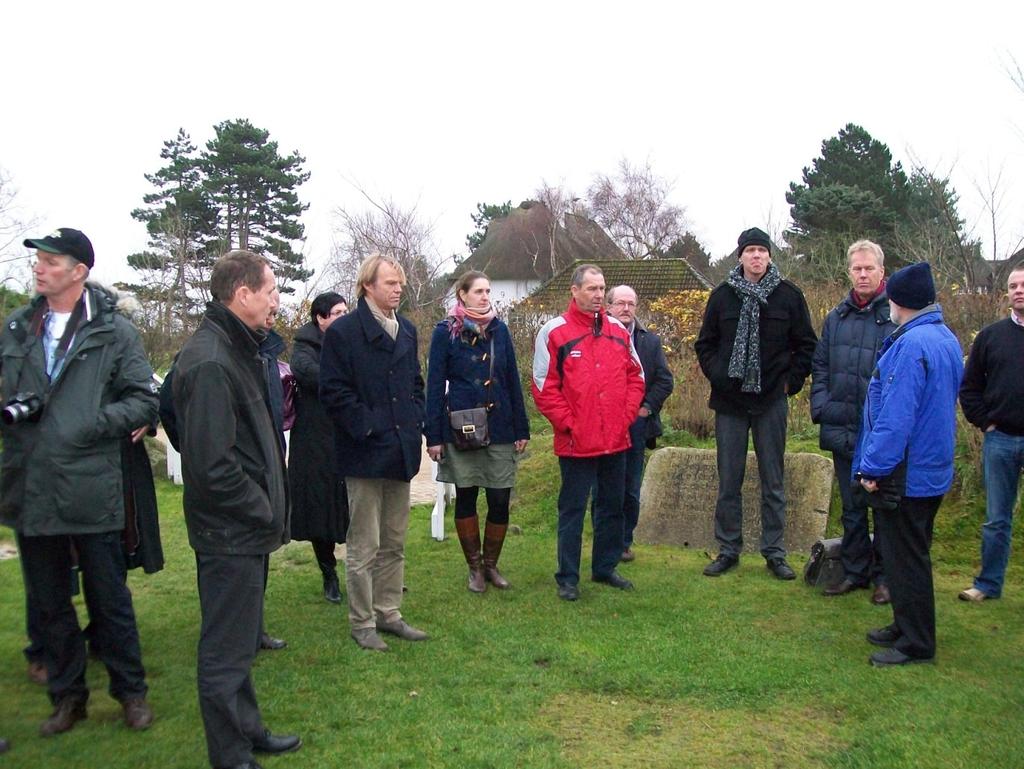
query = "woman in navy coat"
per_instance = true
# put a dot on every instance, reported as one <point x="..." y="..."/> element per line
<point x="460" y="362"/>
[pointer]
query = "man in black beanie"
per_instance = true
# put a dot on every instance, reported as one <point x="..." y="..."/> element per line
<point x="755" y="347"/>
<point x="904" y="457"/>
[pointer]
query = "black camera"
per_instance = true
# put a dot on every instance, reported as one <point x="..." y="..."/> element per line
<point x="23" y="407"/>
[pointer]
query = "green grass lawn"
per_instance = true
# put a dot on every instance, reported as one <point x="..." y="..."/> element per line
<point x="741" y="671"/>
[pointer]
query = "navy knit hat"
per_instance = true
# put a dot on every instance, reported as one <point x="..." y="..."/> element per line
<point x="753" y="237"/>
<point x="912" y="287"/>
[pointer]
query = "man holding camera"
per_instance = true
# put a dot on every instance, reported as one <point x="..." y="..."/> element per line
<point x="76" y="382"/>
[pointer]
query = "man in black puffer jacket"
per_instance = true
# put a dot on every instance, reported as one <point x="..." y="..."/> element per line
<point x="843" y="361"/>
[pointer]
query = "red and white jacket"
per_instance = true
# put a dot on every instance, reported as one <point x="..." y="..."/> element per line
<point x="588" y="382"/>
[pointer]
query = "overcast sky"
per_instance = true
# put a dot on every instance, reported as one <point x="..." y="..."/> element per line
<point x="448" y="104"/>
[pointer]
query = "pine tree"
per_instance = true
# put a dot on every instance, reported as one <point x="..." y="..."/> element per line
<point x="254" y="190"/>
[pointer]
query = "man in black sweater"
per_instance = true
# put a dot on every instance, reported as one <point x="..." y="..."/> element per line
<point x="992" y="397"/>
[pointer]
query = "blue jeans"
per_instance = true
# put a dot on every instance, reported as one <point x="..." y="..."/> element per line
<point x="1004" y="460"/>
<point x="579" y="476"/>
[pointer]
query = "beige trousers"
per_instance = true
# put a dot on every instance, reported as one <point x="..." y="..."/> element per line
<point x="375" y="550"/>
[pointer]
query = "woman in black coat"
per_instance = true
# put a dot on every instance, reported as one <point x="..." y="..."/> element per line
<point x="319" y="499"/>
<point x="464" y="375"/>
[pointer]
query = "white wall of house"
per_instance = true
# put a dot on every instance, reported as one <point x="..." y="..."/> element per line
<point x="503" y="292"/>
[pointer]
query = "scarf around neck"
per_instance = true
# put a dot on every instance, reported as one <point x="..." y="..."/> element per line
<point x="745" y="361"/>
<point x="388" y="322"/>
<point x="464" y="319"/>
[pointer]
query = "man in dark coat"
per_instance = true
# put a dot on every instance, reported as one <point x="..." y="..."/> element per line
<point x="319" y="498"/>
<point x="755" y="347"/>
<point x="235" y="499"/>
<point x="372" y="388"/>
<point x="622" y="304"/>
<point x="76" y="383"/>
<point x="851" y="337"/>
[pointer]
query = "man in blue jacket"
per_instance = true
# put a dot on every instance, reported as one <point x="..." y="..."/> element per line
<point x="904" y="457"/>
<point x="851" y="337"/>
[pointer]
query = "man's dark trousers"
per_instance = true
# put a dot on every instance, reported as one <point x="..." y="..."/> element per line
<point x="231" y="602"/>
<point x="114" y="634"/>
<point x="861" y="555"/>
<point x="732" y="434"/>
<point x="579" y="476"/>
<point x="906" y="535"/>
<point x="634" y="480"/>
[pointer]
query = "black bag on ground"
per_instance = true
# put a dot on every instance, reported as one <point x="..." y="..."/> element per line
<point x="825" y="567"/>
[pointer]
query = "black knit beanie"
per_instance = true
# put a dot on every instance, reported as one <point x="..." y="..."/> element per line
<point x="754" y="237"/>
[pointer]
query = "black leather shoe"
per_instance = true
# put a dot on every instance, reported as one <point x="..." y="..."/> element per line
<point x="568" y="592"/>
<point x="844" y="587"/>
<point x="721" y="565"/>
<point x="271" y="644"/>
<point x="613" y="580"/>
<point x="888" y="657"/>
<point x="276" y="743"/>
<point x="780" y="568"/>
<point x="881" y="595"/>
<point x="884" y="636"/>
<point x="246" y="765"/>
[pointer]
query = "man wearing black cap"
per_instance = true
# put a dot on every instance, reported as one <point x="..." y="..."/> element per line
<point x="904" y="457"/>
<point x="755" y="347"/>
<point x="76" y="383"/>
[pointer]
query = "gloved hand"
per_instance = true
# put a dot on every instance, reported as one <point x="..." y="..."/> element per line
<point x="886" y="497"/>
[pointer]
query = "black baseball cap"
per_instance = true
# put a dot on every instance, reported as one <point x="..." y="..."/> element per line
<point x="65" y="240"/>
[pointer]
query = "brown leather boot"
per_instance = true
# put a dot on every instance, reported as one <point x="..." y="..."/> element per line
<point x="494" y="538"/>
<point x="469" y="537"/>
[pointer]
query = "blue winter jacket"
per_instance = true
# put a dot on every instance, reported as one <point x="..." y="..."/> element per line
<point x="910" y="412"/>
<point x="463" y="363"/>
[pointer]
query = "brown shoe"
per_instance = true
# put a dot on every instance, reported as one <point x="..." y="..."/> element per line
<point x="881" y="595"/>
<point x="138" y="715"/>
<point x="494" y="538"/>
<point x="68" y="712"/>
<point x="844" y="587"/>
<point x="469" y="537"/>
<point x="37" y="673"/>
<point x="627" y="555"/>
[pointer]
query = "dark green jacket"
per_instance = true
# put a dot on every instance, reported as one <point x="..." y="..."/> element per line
<point x="62" y="474"/>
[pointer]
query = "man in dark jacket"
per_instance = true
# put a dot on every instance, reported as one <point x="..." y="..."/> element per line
<point x="372" y="388"/>
<point x="843" y="361"/>
<point x="992" y="397"/>
<point x="658" y="380"/>
<point x="755" y="347"/>
<point x="235" y="499"/>
<point x="589" y="384"/>
<point x="904" y="457"/>
<point x="76" y="383"/>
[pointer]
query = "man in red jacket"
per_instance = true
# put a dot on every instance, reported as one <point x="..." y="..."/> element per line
<point x="588" y="382"/>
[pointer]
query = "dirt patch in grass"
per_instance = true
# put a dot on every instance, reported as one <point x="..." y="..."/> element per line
<point x="598" y="730"/>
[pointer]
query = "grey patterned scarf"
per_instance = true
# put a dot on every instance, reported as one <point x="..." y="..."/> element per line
<point x="745" y="361"/>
